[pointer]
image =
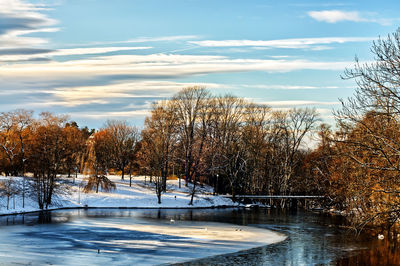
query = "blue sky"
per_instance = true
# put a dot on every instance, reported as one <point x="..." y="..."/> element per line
<point x="97" y="60"/>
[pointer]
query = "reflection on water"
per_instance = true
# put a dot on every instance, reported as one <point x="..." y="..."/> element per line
<point x="382" y="253"/>
<point x="312" y="238"/>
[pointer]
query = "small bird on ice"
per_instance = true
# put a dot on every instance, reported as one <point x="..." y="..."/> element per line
<point x="172" y="221"/>
<point x="381" y="236"/>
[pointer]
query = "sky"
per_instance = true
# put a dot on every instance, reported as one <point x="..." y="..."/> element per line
<point x="98" y="59"/>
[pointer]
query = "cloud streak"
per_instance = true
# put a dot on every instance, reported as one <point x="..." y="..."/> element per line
<point x="25" y="54"/>
<point x="298" y="43"/>
<point x="154" y="66"/>
<point x="287" y="87"/>
<point x="106" y="94"/>
<point x="171" y="38"/>
<point x="335" y="16"/>
<point x="112" y="114"/>
<point x="295" y="103"/>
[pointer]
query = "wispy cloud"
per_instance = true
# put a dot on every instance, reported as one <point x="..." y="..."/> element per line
<point x="298" y="43"/>
<point x="171" y="38"/>
<point x="74" y="96"/>
<point x="18" y="19"/>
<point x="287" y="87"/>
<point x="296" y="103"/>
<point x="112" y="114"/>
<point x="153" y="66"/>
<point x="119" y="85"/>
<point x="314" y="4"/>
<point x="334" y="16"/>
<point x="163" y="38"/>
<point x="32" y="53"/>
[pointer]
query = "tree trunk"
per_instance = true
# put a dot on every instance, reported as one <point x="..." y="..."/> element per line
<point x="187" y="173"/>
<point x="130" y="174"/>
<point x="159" y="197"/>
<point x="193" y="190"/>
<point x="23" y="191"/>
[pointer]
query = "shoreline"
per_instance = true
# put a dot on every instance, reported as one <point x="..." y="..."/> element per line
<point x="126" y="195"/>
<point x="207" y="260"/>
<point x="125" y="208"/>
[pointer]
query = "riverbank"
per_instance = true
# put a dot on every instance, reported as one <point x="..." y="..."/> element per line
<point x="140" y="195"/>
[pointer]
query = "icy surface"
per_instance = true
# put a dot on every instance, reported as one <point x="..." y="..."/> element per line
<point x="141" y="194"/>
<point x="87" y="238"/>
<point x="71" y="237"/>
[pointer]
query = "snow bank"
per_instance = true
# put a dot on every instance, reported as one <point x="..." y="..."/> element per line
<point x="205" y="239"/>
<point x="140" y="195"/>
<point x="243" y="236"/>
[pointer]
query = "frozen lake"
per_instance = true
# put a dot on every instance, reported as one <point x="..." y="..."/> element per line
<point x="85" y="237"/>
<point x="148" y="237"/>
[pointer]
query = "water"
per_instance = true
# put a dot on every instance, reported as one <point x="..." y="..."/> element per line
<point x="101" y="236"/>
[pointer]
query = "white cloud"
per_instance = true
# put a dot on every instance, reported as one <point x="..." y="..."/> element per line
<point x="298" y="43"/>
<point x="20" y="18"/>
<point x="287" y="87"/>
<point x="295" y="103"/>
<point x="334" y="16"/>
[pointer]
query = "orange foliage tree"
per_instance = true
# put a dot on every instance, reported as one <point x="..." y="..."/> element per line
<point x="99" y="149"/>
<point x="370" y="137"/>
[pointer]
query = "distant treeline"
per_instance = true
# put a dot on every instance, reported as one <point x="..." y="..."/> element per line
<point x="234" y="145"/>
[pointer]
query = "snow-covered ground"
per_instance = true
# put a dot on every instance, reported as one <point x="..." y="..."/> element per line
<point x="140" y="195"/>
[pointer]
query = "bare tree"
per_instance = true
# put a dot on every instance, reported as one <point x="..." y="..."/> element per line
<point x="9" y="188"/>
<point x="189" y="102"/>
<point x="255" y="135"/>
<point x="23" y="121"/>
<point x="226" y="136"/>
<point x="235" y="145"/>
<point x="158" y="140"/>
<point x="289" y="130"/>
<point x="124" y="138"/>
<point x="205" y="113"/>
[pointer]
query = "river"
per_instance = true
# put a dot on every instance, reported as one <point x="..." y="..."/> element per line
<point x="121" y="237"/>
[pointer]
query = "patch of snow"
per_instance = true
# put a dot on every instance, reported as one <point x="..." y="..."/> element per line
<point x="140" y="195"/>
